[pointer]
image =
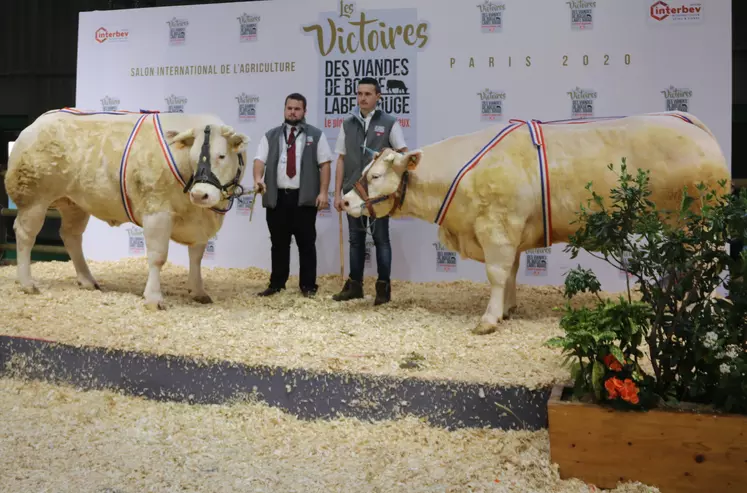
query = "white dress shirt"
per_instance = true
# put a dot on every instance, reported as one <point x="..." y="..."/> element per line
<point x="323" y="154"/>
<point x="396" y="136"/>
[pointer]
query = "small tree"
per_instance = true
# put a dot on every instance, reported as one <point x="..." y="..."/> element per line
<point x="697" y="342"/>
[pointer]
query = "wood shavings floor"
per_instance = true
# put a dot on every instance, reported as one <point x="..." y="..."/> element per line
<point x="431" y="321"/>
<point x="56" y="439"/>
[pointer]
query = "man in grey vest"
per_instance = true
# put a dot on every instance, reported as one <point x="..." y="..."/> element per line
<point x="366" y="129"/>
<point x="295" y="160"/>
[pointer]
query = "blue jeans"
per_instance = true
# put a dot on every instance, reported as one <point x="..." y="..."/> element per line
<point x="379" y="228"/>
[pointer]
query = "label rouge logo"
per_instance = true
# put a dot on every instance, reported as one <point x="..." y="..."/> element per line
<point x="247" y="106"/>
<point x="677" y="98"/>
<point x="582" y="102"/>
<point x="209" y="253"/>
<point x="136" y="240"/>
<point x="175" y="104"/>
<point x="582" y="14"/>
<point x="491" y="104"/>
<point x="102" y="34"/>
<point x="661" y="11"/>
<point x="446" y="260"/>
<point x="177" y="31"/>
<point x="491" y="16"/>
<point x="109" y="103"/>
<point x="537" y="261"/>
<point x="244" y="205"/>
<point x="248" y="27"/>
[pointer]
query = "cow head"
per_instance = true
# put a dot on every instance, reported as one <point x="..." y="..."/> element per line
<point x="217" y="156"/>
<point x="382" y="186"/>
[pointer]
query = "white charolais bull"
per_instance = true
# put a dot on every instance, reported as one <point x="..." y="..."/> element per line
<point x="173" y="174"/>
<point x="500" y="191"/>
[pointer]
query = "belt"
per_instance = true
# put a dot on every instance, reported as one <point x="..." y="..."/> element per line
<point x="288" y="190"/>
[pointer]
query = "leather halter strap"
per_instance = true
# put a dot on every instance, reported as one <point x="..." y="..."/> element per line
<point x="361" y="187"/>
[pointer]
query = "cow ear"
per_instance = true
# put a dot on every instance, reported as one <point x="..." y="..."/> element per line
<point x="238" y="142"/>
<point x="410" y="160"/>
<point x="181" y="139"/>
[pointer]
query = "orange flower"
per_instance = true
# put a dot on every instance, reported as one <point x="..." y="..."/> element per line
<point x="614" y="387"/>
<point x="612" y="362"/>
<point x="629" y="391"/>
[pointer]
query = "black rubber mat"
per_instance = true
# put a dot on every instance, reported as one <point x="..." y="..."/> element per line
<point x="303" y="393"/>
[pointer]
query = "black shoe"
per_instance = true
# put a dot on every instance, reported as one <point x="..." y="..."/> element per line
<point x="383" y="292"/>
<point x="309" y="292"/>
<point x="352" y="290"/>
<point x="270" y="291"/>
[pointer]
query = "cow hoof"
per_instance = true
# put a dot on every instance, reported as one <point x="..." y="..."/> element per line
<point x="92" y="286"/>
<point x="32" y="289"/>
<point x="484" y="328"/>
<point x="203" y="298"/>
<point x="155" y="305"/>
<point x="510" y="312"/>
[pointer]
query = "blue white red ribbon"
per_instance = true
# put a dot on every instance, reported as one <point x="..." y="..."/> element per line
<point x="165" y="149"/>
<point x="535" y="130"/>
<point x="467" y="168"/>
<point x="123" y="169"/>
<point x="538" y="139"/>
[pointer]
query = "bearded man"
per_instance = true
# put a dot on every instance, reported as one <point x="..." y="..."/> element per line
<point x="292" y="171"/>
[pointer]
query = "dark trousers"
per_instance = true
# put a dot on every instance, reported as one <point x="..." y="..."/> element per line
<point x="379" y="228"/>
<point x="289" y="219"/>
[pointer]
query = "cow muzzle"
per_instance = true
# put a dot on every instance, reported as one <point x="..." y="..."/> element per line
<point x="200" y="194"/>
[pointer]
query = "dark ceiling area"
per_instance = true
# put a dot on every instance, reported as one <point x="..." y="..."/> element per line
<point x="38" y="55"/>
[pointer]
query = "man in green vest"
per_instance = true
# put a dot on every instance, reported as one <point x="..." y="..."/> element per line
<point x="295" y="160"/>
<point x="366" y="129"/>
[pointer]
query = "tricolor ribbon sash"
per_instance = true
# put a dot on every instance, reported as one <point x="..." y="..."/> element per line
<point x="165" y="149"/>
<point x="538" y="140"/>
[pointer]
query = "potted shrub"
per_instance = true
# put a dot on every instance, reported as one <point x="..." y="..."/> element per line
<point x="659" y="392"/>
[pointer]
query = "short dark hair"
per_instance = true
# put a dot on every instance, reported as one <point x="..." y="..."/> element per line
<point x="372" y="81"/>
<point x="297" y="97"/>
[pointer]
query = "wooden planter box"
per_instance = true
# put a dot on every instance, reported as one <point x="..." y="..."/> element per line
<point x="678" y="452"/>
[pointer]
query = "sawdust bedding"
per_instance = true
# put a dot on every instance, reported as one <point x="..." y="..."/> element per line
<point x="426" y="323"/>
<point x="55" y="438"/>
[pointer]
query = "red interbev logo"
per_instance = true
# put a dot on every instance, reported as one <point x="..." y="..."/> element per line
<point x="102" y="34"/>
<point x="661" y="10"/>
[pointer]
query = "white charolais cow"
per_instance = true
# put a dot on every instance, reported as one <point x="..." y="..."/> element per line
<point x="173" y="174"/>
<point x="500" y="191"/>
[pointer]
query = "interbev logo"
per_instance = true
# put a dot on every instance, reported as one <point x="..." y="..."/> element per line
<point x="676" y="12"/>
<point x="102" y="34"/>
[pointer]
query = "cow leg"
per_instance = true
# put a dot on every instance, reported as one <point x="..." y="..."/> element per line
<point x="499" y="263"/>
<point x="27" y="225"/>
<point x="157" y="232"/>
<point x="196" y="289"/>
<point x="74" y="222"/>
<point x="509" y="297"/>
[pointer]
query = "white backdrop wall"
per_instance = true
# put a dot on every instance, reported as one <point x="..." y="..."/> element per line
<point x="446" y="68"/>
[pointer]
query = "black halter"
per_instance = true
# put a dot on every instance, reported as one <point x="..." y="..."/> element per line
<point x="204" y="174"/>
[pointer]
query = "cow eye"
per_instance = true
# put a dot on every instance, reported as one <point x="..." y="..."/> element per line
<point x="222" y="156"/>
<point x="374" y="177"/>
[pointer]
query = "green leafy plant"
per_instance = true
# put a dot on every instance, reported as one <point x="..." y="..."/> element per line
<point x="676" y="259"/>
